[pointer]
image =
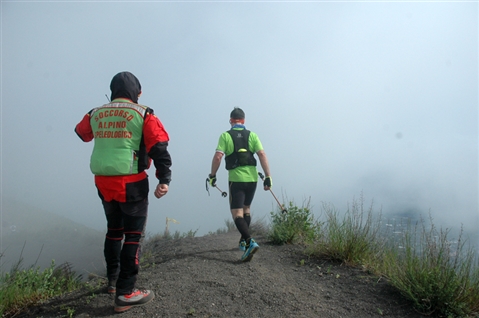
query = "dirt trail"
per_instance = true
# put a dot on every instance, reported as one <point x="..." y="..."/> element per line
<point x="203" y="277"/>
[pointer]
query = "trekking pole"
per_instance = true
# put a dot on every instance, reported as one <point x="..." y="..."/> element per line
<point x="223" y="194"/>
<point x="280" y="205"/>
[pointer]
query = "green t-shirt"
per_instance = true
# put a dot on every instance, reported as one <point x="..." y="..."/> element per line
<point x="243" y="173"/>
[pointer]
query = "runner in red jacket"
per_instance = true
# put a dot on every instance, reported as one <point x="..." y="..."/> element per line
<point x="127" y="137"/>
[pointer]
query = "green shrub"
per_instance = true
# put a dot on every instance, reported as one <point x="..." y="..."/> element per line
<point x="295" y="225"/>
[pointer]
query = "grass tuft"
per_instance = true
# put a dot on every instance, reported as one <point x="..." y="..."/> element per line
<point x="21" y="288"/>
<point x="353" y="239"/>
<point x="437" y="274"/>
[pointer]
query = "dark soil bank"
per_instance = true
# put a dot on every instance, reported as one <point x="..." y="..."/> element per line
<point x="202" y="277"/>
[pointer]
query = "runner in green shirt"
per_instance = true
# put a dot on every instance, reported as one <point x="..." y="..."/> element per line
<point x="239" y="145"/>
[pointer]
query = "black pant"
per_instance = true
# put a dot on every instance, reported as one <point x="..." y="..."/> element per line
<point x="122" y="262"/>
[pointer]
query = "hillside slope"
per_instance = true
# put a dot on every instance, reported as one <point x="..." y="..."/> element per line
<point x="202" y="277"/>
<point x="38" y="237"/>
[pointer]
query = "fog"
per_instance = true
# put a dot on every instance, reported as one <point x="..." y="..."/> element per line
<point x="348" y="98"/>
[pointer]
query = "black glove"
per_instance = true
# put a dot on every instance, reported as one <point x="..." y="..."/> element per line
<point x="212" y="180"/>
<point x="268" y="182"/>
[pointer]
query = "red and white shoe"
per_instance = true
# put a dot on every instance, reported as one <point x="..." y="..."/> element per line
<point x="136" y="298"/>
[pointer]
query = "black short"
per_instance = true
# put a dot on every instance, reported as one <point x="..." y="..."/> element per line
<point x="241" y="194"/>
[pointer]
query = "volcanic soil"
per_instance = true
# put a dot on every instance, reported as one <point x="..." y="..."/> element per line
<point x="203" y="277"/>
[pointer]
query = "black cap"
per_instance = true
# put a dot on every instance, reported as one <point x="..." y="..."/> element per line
<point x="237" y="113"/>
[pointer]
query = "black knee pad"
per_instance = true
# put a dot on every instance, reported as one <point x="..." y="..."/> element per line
<point x="132" y="237"/>
<point x="114" y="234"/>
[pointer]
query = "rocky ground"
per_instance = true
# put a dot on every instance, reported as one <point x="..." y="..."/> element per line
<point x="203" y="277"/>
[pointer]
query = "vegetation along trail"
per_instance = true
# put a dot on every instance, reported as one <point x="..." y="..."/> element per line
<point x="203" y="277"/>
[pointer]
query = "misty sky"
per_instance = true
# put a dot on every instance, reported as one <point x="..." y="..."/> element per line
<point x="379" y="98"/>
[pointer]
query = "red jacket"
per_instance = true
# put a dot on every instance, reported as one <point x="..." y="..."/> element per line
<point x="154" y="145"/>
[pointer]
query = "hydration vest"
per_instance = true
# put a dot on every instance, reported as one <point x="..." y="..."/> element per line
<point x="241" y="155"/>
<point x="118" y="132"/>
